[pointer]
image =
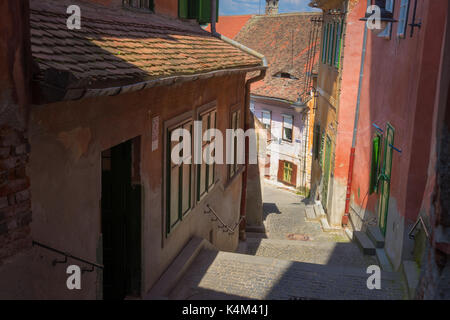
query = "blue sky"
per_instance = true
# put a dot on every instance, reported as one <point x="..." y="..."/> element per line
<point x="238" y="7"/>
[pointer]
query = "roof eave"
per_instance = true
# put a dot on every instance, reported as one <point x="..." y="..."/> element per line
<point x="47" y="93"/>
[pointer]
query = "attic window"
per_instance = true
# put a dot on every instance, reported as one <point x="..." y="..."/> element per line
<point x="285" y="75"/>
<point x="139" y="4"/>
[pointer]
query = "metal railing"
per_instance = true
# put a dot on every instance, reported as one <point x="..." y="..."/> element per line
<point x="424" y="227"/>
<point x="222" y="225"/>
<point x="68" y="255"/>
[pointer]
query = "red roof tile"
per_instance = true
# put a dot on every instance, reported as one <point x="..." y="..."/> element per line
<point x="229" y="26"/>
<point x="284" y="39"/>
<point x="117" y="44"/>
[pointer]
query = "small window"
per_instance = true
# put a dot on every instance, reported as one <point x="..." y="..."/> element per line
<point x="266" y="120"/>
<point x="386" y="33"/>
<point x="179" y="181"/>
<point x="206" y="172"/>
<point x="375" y="165"/>
<point x="139" y="4"/>
<point x="235" y="124"/>
<point x="403" y="18"/>
<point x="287" y="127"/>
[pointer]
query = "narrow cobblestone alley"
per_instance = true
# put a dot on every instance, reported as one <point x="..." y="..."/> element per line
<point x="270" y="266"/>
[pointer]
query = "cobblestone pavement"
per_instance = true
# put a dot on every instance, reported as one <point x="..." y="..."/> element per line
<point x="327" y="266"/>
<point x="284" y="214"/>
<point x="224" y="275"/>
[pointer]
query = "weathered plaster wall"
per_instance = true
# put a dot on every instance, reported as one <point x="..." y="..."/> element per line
<point x="289" y="151"/>
<point x="15" y="75"/>
<point x="401" y="98"/>
<point x="350" y="64"/>
<point x="66" y="176"/>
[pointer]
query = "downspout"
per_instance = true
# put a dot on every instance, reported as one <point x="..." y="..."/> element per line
<point x="248" y="83"/>
<point x="355" y="130"/>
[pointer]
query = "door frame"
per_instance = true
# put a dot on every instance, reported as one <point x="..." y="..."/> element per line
<point x="385" y="178"/>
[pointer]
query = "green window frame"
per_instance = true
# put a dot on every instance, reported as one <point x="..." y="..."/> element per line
<point x="179" y="181"/>
<point x="322" y="146"/>
<point x="139" y="4"/>
<point x="235" y="122"/>
<point x="375" y="163"/>
<point x="199" y="10"/>
<point x="324" y="43"/>
<point x="337" y="54"/>
<point x="206" y="172"/>
<point x="331" y="44"/>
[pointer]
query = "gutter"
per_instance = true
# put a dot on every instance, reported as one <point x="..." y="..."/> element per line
<point x="262" y="75"/>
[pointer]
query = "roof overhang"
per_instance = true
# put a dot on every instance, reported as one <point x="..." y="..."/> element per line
<point x="298" y="106"/>
<point x="326" y="5"/>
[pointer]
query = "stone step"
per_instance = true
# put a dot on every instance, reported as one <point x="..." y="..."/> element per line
<point x="255" y="229"/>
<point x="383" y="260"/>
<point x="375" y="235"/>
<point x="258" y="235"/>
<point x="325" y="225"/>
<point x="310" y="214"/>
<point x="226" y="275"/>
<point x="364" y="242"/>
<point x="411" y="272"/>
<point x="319" y="211"/>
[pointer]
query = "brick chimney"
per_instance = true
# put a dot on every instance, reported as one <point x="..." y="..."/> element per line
<point x="271" y="6"/>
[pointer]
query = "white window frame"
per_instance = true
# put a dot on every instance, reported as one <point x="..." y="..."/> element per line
<point x="292" y="127"/>
<point x="386" y="33"/>
<point x="403" y="18"/>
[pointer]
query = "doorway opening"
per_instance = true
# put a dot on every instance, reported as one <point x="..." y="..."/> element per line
<point x="121" y="220"/>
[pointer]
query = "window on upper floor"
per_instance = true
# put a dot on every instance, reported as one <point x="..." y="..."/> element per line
<point x="332" y="43"/>
<point x="199" y="10"/>
<point x="266" y="119"/>
<point x="386" y="33"/>
<point x="139" y="4"/>
<point x="403" y="18"/>
<point x="288" y="121"/>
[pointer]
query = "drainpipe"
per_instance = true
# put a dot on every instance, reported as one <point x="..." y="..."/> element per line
<point x="248" y="83"/>
<point x="355" y="130"/>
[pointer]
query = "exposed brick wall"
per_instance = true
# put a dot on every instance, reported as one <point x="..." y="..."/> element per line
<point x="15" y="66"/>
<point x="15" y="205"/>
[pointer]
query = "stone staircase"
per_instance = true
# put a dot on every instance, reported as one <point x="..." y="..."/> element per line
<point x="371" y="243"/>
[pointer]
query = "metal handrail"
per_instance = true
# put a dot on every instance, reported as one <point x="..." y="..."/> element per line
<point x="226" y="228"/>
<point x="424" y="227"/>
<point x="68" y="255"/>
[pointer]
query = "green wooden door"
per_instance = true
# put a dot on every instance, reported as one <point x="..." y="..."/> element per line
<point x="121" y="208"/>
<point x="385" y="179"/>
<point x="326" y="172"/>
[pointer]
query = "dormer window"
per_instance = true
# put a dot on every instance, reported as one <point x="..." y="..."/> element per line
<point x="284" y="75"/>
<point x="139" y="4"/>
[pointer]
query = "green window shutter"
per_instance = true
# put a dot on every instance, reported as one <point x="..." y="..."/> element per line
<point x="374" y="170"/>
<point x="322" y="144"/>
<point x="183" y="9"/>
<point x="204" y="11"/>
<point x="325" y="39"/>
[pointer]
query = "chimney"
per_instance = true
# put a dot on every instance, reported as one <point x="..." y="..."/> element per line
<point x="271" y="6"/>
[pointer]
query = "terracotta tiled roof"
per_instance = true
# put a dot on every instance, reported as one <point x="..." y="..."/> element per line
<point x="120" y="46"/>
<point x="230" y="26"/>
<point x="284" y="39"/>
